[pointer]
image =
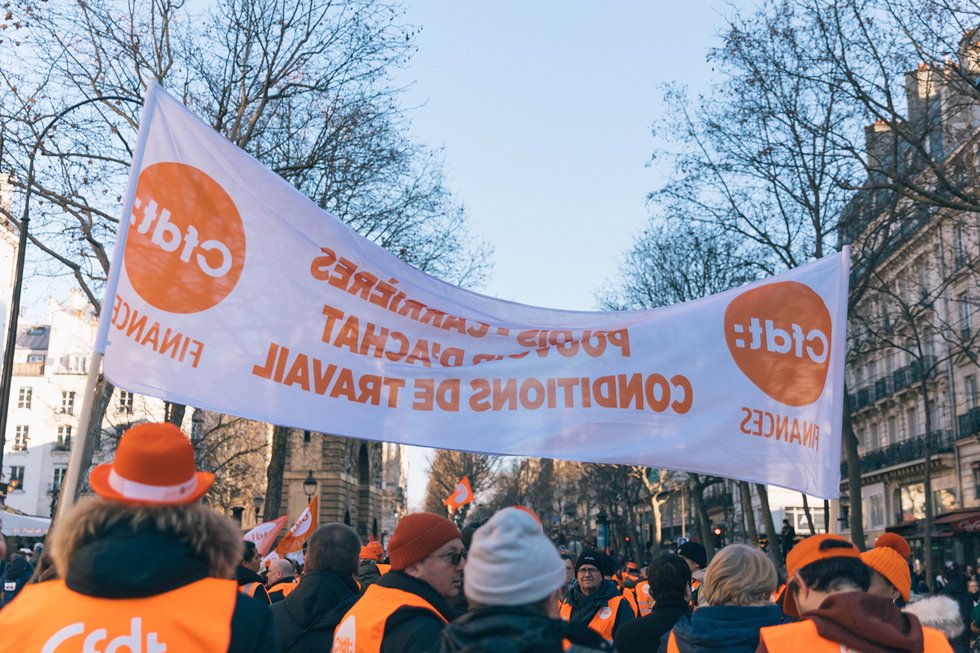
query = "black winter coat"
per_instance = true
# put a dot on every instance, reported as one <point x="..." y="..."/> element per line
<point x="516" y="629"/>
<point x="305" y="620"/>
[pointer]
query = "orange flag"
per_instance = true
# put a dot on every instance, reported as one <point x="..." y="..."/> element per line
<point x="301" y="530"/>
<point x="462" y="495"/>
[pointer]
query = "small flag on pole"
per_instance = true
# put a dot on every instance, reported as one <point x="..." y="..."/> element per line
<point x="264" y="535"/>
<point x="301" y="530"/>
<point x="462" y="495"/>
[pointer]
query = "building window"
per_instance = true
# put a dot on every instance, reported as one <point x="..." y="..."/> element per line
<point x="892" y="430"/>
<point x="912" y="422"/>
<point x="970" y="388"/>
<point x="58" y="478"/>
<point x="876" y="511"/>
<point x="125" y="402"/>
<point x="35" y="358"/>
<point x="966" y="329"/>
<point x="307" y="436"/>
<point x="78" y="363"/>
<point x="958" y="249"/>
<point x="64" y="437"/>
<point x="21" y="437"/>
<point x="68" y="402"/>
<point x="24" y="396"/>
<point x="976" y="479"/>
<point x="16" y="478"/>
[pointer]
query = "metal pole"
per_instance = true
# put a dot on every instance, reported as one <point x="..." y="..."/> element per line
<point x="11" y="343"/>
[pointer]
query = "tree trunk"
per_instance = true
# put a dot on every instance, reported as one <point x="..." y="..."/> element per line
<point x="274" y="473"/>
<point x="704" y="522"/>
<point x="809" y="515"/>
<point x="103" y="395"/>
<point x="853" y="477"/>
<point x="658" y="520"/>
<point x="747" y="513"/>
<point x="775" y="550"/>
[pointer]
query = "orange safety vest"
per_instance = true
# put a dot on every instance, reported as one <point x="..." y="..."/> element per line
<point x="51" y="617"/>
<point x="363" y="627"/>
<point x="604" y="619"/>
<point x="286" y="588"/>
<point x="643" y="597"/>
<point x="629" y="593"/>
<point x="803" y="636"/>
<point x="249" y="589"/>
<point x="383" y="568"/>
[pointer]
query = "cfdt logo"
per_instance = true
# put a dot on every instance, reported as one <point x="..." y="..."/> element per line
<point x="779" y="336"/>
<point x="186" y="244"/>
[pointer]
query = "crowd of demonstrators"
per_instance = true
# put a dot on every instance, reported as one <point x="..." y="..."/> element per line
<point x="145" y="565"/>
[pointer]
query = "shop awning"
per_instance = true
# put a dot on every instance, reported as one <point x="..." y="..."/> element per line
<point x="961" y="521"/>
<point x="23" y="525"/>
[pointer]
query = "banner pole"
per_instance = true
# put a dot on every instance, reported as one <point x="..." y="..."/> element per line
<point x="70" y="484"/>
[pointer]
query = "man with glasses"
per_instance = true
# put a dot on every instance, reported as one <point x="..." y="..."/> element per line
<point x="407" y="608"/>
<point x="595" y="601"/>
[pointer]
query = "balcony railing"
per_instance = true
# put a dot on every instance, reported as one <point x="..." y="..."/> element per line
<point x="28" y="369"/>
<point x="970" y="423"/>
<point x="906" y="451"/>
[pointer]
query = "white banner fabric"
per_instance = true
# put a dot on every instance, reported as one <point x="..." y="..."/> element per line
<point x="231" y="291"/>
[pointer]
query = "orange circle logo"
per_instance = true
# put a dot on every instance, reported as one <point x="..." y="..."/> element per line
<point x="186" y="244"/>
<point x="779" y="336"/>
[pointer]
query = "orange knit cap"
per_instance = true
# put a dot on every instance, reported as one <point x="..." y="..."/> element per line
<point x="418" y="536"/>
<point x="890" y="559"/>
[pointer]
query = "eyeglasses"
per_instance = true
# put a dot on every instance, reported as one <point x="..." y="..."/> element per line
<point x="453" y="557"/>
<point x="588" y="571"/>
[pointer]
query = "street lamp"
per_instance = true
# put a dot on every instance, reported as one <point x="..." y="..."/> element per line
<point x="309" y="485"/>
<point x="257" y="502"/>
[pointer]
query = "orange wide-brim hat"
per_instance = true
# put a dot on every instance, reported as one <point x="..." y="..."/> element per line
<point x="154" y="465"/>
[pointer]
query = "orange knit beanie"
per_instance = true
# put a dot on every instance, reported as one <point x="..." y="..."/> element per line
<point x="417" y="536"/>
<point x="890" y="559"/>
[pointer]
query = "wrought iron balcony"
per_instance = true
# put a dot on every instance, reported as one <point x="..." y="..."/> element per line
<point x="906" y="451"/>
<point x="970" y="423"/>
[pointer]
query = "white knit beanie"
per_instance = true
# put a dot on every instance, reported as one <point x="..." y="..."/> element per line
<point x="512" y="562"/>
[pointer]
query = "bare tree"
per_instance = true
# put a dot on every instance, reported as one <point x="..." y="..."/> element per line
<point x="302" y="86"/>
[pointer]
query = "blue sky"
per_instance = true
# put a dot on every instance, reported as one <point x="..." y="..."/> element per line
<point x="544" y="111"/>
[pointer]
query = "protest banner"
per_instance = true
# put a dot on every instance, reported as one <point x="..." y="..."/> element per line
<point x="231" y="291"/>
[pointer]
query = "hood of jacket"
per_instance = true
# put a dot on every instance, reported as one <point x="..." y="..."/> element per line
<point x="133" y="562"/>
<point x="867" y="623"/>
<point x="729" y="627"/>
<point x="939" y="612"/>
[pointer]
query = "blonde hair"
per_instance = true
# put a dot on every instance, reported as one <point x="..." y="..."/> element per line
<point x="739" y="575"/>
<point x="210" y="536"/>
